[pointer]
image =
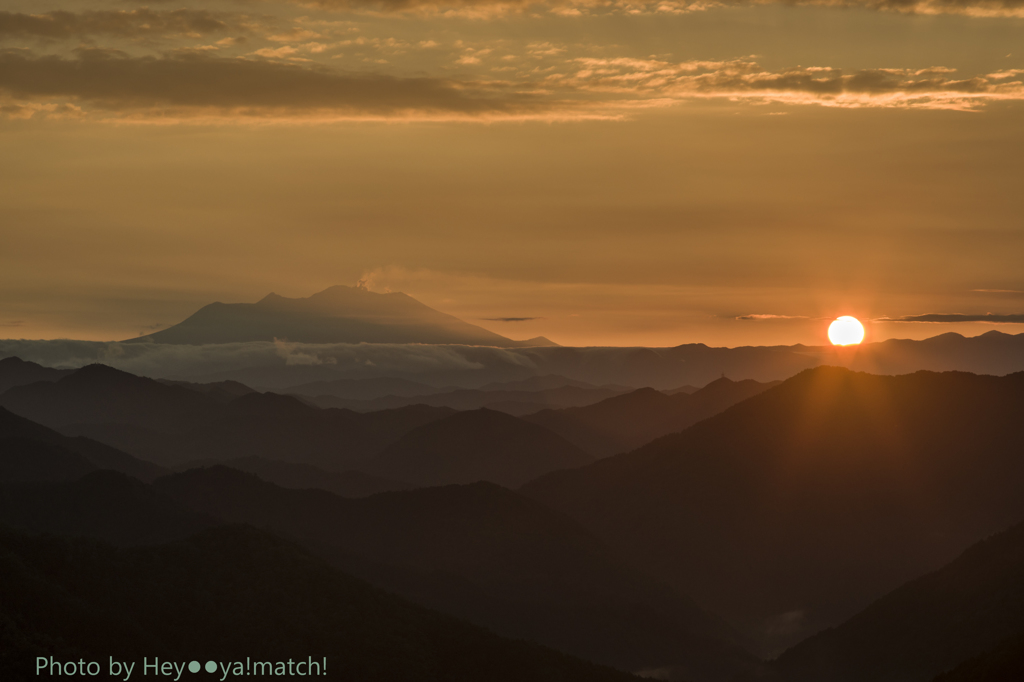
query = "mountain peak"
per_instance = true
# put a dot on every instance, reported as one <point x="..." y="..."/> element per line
<point x="338" y="314"/>
<point x="98" y="372"/>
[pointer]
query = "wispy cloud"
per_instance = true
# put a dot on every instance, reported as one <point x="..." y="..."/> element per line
<point x="746" y="80"/>
<point x="510" y="319"/>
<point x="769" y="316"/>
<point x="957" y="317"/>
<point x="190" y="84"/>
<point x="268" y="85"/>
<point x="571" y="8"/>
<point x="997" y="291"/>
<point x="135" y="23"/>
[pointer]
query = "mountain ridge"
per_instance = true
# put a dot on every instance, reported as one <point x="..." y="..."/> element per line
<point x="809" y="500"/>
<point x="338" y="314"/>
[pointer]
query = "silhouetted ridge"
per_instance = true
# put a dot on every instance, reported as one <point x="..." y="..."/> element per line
<point x="364" y="389"/>
<point x="17" y="372"/>
<point x="102" y="376"/>
<point x="628" y="421"/>
<point x="304" y="476"/>
<point x="271" y="404"/>
<point x="174" y="424"/>
<point x="479" y="445"/>
<point x="486" y="554"/>
<point x="927" y="626"/>
<point x="32" y="452"/>
<point x="101" y="394"/>
<point x="792" y="510"/>
<point x="515" y="402"/>
<point x="1005" y="663"/>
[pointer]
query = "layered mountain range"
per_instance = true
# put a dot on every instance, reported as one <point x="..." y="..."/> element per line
<point x="837" y="527"/>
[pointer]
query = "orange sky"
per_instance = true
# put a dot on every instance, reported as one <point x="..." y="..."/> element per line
<point x="621" y="173"/>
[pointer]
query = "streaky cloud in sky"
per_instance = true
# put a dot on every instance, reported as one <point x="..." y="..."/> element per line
<point x="570" y="8"/>
<point x="195" y="84"/>
<point x="510" y="319"/>
<point x="769" y="316"/>
<point x="136" y="23"/>
<point x="959" y="317"/>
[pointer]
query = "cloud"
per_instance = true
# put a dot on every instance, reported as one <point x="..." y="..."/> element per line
<point x="575" y="8"/>
<point x="746" y="80"/>
<point x="510" y="319"/>
<point x="12" y="323"/>
<point x="122" y="23"/>
<point x="958" y="317"/>
<point x="974" y="8"/>
<point x="997" y="291"/>
<point x="197" y="85"/>
<point x="196" y="362"/>
<point x="181" y="85"/>
<point x="293" y="356"/>
<point x="769" y="316"/>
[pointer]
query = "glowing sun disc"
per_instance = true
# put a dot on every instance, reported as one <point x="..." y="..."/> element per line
<point x="845" y="331"/>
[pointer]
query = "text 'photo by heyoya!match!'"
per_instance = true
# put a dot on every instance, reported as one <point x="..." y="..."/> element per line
<point x="174" y="670"/>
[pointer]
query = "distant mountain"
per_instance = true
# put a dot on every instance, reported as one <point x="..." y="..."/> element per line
<point x="238" y="594"/>
<point x="303" y="476"/>
<point x="363" y="389"/>
<point x="931" y="624"/>
<point x="171" y="423"/>
<point x="794" y="509"/>
<point x="681" y="389"/>
<point x="479" y="445"/>
<point x="489" y="555"/>
<point x="273" y="427"/>
<point x="391" y="387"/>
<point x="516" y="402"/>
<point x="16" y="372"/>
<point x="98" y="394"/>
<point x="628" y="421"/>
<point x="544" y="383"/>
<point x="221" y="391"/>
<point x="280" y="427"/>
<point x="32" y="452"/>
<point x="993" y="352"/>
<point x="338" y="314"/>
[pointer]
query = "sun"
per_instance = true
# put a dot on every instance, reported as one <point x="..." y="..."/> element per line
<point x="846" y="331"/>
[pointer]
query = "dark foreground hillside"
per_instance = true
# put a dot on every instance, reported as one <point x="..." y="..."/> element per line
<point x="235" y="592"/>
<point x="488" y="555"/>
<point x="962" y="611"/>
<point x="1005" y="663"/>
<point x="798" y="507"/>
